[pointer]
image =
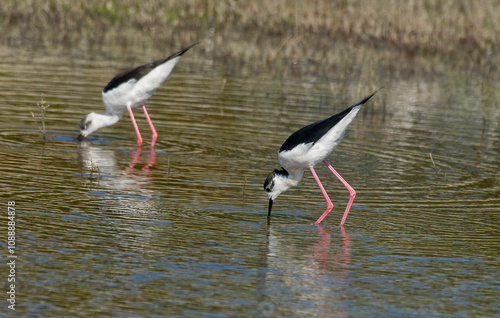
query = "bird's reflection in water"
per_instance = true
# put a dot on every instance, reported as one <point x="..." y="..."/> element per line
<point x="321" y="251"/>
<point x="136" y="156"/>
<point x="101" y="167"/>
<point x="309" y="272"/>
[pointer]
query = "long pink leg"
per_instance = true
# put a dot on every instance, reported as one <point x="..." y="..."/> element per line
<point x="352" y="193"/>
<point x="139" y="138"/>
<point x="329" y="204"/>
<point x="153" y="130"/>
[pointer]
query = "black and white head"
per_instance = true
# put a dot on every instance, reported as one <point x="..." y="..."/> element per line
<point x="276" y="183"/>
<point x="89" y="124"/>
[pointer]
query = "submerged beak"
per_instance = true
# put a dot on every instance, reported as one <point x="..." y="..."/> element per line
<point x="270" y="207"/>
<point x="81" y="137"/>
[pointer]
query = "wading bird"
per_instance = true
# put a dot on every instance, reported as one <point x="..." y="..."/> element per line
<point x="307" y="147"/>
<point x="128" y="90"/>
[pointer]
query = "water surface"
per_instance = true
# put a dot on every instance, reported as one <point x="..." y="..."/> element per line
<point x="107" y="229"/>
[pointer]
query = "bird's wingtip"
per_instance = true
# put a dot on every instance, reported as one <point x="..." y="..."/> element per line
<point x="369" y="96"/>
<point x="184" y="50"/>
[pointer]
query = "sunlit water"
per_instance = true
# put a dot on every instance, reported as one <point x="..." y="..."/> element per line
<point x="106" y="229"/>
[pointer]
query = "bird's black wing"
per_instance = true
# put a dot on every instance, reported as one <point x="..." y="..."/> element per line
<point x="313" y="132"/>
<point x="140" y="71"/>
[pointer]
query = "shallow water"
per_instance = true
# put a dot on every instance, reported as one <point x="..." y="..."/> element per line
<point x="104" y="228"/>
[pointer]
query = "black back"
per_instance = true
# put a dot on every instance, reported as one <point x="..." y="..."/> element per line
<point x="313" y="132"/>
<point x="140" y="71"/>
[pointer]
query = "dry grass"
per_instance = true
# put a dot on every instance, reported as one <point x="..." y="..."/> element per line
<point x="42" y="107"/>
<point x="303" y="37"/>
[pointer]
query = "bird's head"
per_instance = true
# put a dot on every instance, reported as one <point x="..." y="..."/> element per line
<point x="87" y="125"/>
<point x="276" y="183"/>
<point x="94" y="121"/>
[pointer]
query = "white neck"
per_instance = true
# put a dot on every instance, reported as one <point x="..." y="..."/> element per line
<point x="285" y="182"/>
<point x="105" y="120"/>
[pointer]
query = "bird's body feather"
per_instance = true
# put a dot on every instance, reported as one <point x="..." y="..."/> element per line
<point x="136" y="86"/>
<point x="313" y="143"/>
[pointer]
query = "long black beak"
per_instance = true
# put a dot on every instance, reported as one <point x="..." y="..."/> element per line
<point x="80" y="137"/>
<point x="270" y="207"/>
